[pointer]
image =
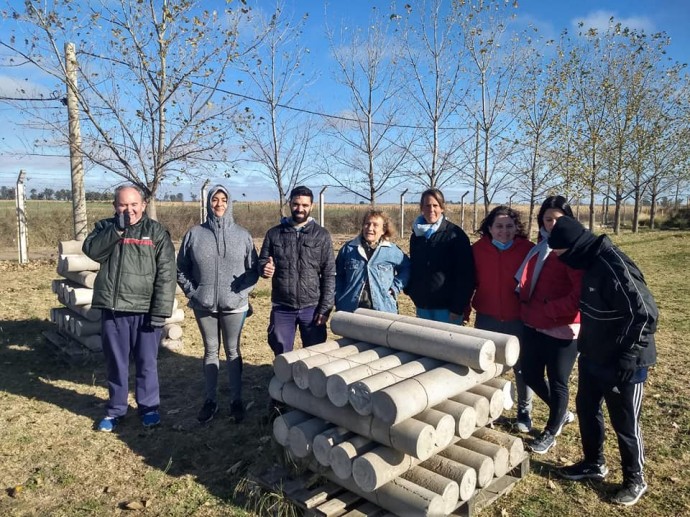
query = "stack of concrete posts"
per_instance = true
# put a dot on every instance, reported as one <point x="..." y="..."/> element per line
<point x="396" y="411"/>
<point x="76" y="320"/>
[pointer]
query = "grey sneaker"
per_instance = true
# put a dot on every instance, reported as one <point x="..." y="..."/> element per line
<point x="569" y="418"/>
<point x="583" y="470"/>
<point x="543" y="443"/>
<point x="630" y="493"/>
<point x="524" y="422"/>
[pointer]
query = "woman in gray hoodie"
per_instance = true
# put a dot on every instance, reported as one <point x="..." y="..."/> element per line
<point x="216" y="269"/>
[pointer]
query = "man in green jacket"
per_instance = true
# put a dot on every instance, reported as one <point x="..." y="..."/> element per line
<point x="135" y="290"/>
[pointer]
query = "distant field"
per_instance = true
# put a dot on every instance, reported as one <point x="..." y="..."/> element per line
<point x="51" y="221"/>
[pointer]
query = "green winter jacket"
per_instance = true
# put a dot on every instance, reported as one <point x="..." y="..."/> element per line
<point x="138" y="272"/>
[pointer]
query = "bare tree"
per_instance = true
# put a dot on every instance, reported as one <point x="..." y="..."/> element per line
<point x="149" y="79"/>
<point x="433" y="73"/>
<point x="280" y="136"/>
<point x="494" y="59"/>
<point x="535" y="104"/>
<point x="372" y="150"/>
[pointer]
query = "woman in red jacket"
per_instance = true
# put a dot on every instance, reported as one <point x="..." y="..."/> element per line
<point x="497" y="256"/>
<point x="550" y="293"/>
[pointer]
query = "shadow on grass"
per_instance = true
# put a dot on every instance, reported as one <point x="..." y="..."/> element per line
<point x="217" y="454"/>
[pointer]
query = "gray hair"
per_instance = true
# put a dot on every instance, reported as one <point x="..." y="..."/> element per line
<point x="120" y="188"/>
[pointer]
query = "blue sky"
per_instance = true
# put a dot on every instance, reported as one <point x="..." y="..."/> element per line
<point x="550" y="16"/>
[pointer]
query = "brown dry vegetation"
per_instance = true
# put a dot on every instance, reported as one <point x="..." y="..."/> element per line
<point x="53" y="463"/>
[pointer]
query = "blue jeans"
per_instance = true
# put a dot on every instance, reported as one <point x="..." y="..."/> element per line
<point x="283" y="324"/>
<point x="434" y="314"/>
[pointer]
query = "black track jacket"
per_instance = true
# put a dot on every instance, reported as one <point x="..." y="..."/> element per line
<point x="618" y="312"/>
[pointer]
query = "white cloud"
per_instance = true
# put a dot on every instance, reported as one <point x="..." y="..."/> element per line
<point x="21" y="88"/>
<point x="601" y="20"/>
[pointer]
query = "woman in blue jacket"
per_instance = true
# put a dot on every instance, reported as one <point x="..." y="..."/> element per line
<point x="370" y="270"/>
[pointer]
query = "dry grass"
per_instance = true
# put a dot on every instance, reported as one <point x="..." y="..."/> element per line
<point x="53" y="463"/>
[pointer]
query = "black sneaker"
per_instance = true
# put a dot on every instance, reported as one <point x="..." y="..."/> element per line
<point x="237" y="411"/>
<point x="630" y="493"/>
<point x="207" y="412"/>
<point x="543" y="443"/>
<point x="583" y="470"/>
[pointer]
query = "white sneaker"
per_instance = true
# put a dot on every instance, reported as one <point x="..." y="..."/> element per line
<point x="569" y="418"/>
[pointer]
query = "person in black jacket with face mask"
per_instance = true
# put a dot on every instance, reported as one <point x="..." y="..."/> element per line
<point x="616" y="345"/>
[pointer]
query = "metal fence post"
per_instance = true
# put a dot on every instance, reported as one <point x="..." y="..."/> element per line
<point x="21" y="219"/>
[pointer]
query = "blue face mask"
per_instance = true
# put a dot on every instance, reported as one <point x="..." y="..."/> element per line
<point x="501" y="246"/>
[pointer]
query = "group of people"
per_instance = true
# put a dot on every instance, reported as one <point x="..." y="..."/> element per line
<point x="570" y="294"/>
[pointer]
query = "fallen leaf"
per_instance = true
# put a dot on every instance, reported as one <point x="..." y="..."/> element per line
<point x="132" y="505"/>
<point x="675" y="479"/>
<point x="250" y="404"/>
<point x="147" y="503"/>
<point x="504" y="513"/>
<point x="15" y="490"/>
<point x="551" y="485"/>
<point x="173" y="411"/>
<point x="675" y="425"/>
<point x="264" y="439"/>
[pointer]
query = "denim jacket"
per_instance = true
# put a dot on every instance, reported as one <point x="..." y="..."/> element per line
<point x="388" y="271"/>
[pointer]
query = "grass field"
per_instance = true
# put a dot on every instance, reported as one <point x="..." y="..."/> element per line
<point x="53" y="463"/>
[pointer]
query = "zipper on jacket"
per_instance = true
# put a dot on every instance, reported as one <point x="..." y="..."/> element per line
<point x="116" y="287"/>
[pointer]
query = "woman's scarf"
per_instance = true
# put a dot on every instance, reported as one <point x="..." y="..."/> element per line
<point x="541" y="250"/>
<point x="421" y="228"/>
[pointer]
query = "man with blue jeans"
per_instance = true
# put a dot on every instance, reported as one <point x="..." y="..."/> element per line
<point x="135" y="290"/>
<point x="298" y="256"/>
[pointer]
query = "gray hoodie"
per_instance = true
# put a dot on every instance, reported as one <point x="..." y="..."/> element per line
<point x="217" y="261"/>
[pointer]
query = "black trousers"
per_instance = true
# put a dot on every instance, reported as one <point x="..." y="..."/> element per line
<point x="624" y="404"/>
<point x="546" y="366"/>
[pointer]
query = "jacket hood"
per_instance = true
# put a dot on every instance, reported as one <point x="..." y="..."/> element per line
<point x="210" y="216"/>
<point x="585" y="250"/>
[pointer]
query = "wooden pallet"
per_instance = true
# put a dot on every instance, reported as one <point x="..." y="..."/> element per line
<point x="499" y="487"/>
<point x="321" y="498"/>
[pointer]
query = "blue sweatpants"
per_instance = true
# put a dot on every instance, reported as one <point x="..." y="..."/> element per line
<point x="125" y="335"/>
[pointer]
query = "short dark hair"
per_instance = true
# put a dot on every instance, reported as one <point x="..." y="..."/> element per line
<point x="556" y="202"/>
<point x="388" y="228"/>
<point x="301" y="190"/>
<point x="436" y="194"/>
<point x="502" y="210"/>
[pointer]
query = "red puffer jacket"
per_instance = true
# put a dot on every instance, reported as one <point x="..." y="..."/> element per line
<point x="556" y="296"/>
<point x="495" y="270"/>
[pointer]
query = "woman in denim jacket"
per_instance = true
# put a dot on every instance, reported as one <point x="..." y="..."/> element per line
<point x="370" y="270"/>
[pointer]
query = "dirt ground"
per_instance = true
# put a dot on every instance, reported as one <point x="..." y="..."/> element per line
<point x="53" y="463"/>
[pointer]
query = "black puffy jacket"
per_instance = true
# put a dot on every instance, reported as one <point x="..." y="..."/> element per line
<point x="138" y="272"/>
<point x="617" y="311"/>
<point x="442" y="274"/>
<point x="304" y="266"/>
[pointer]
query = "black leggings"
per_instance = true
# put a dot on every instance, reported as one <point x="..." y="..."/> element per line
<point x="546" y="365"/>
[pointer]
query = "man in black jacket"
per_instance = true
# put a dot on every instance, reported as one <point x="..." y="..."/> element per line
<point x="135" y="289"/>
<point x="298" y="256"/>
<point x="616" y="345"/>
